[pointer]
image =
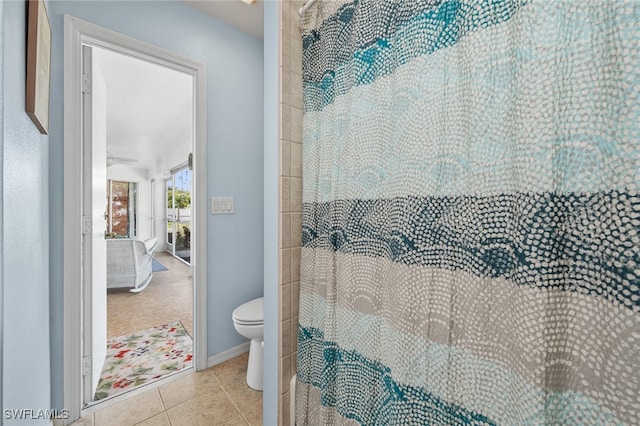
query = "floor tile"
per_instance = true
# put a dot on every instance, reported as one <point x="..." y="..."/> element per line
<point x="254" y="417"/>
<point x="242" y="395"/>
<point x="236" y="421"/>
<point x="149" y="308"/>
<point x="86" y="420"/>
<point x="158" y="420"/>
<point x="231" y="368"/>
<point x="195" y="399"/>
<point x="213" y="408"/>
<point x="131" y="411"/>
<point x="187" y="387"/>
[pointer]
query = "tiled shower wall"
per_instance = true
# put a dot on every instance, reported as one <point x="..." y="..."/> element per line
<point x="290" y="195"/>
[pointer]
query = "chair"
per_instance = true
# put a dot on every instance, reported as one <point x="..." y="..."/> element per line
<point x="129" y="263"/>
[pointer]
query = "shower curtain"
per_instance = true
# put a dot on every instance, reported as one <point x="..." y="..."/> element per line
<point x="471" y="222"/>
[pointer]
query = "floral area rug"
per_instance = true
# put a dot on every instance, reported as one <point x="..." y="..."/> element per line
<point x="137" y="358"/>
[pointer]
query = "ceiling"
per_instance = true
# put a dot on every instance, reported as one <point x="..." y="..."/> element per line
<point x="245" y="17"/>
<point x="149" y="109"/>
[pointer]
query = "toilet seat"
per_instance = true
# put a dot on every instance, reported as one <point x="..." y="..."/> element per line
<point x="250" y="313"/>
<point x="249" y="323"/>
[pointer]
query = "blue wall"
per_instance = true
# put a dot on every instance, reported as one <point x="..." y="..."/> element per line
<point x="25" y="232"/>
<point x="234" y="63"/>
<point x="271" y="173"/>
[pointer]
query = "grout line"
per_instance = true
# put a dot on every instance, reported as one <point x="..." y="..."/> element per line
<point x="153" y="415"/>
<point x="162" y="399"/>
<point x="231" y="399"/>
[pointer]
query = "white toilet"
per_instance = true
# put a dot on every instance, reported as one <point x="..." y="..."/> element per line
<point x="248" y="320"/>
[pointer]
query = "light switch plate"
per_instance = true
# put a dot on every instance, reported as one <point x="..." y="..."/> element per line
<point x="221" y="205"/>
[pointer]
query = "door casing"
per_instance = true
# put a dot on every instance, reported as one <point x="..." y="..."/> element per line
<point x="76" y="33"/>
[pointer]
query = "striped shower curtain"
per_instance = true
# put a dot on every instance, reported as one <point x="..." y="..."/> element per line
<point x="471" y="224"/>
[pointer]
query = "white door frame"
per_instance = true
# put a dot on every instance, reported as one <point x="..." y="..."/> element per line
<point x="76" y="33"/>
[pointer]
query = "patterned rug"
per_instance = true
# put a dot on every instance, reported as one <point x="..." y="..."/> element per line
<point x="143" y="356"/>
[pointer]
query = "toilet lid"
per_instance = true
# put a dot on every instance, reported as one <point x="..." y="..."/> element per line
<point x="250" y="312"/>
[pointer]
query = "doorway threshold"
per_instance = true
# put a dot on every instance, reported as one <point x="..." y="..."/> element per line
<point x="123" y="396"/>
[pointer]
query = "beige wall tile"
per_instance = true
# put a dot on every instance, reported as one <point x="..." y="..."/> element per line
<point x="284" y="419"/>
<point x="285" y="86"/>
<point x="285" y="195"/>
<point x="295" y="124"/>
<point x="285" y="266"/>
<point x="295" y="298"/>
<point x="296" y="194"/>
<point x="296" y="230"/>
<point x="291" y="93"/>
<point x="285" y="122"/>
<point x="285" y="158"/>
<point x="294" y="335"/>
<point x="296" y="31"/>
<point x="285" y="302"/>
<point x="285" y="43"/>
<point x="294" y="363"/>
<point x="296" y="52"/>
<point x="295" y="159"/>
<point x="133" y="410"/>
<point x="295" y="18"/>
<point x="296" y="88"/>
<point x="295" y="264"/>
<point x="285" y="347"/>
<point x="285" y="230"/>
<point x="285" y="374"/>
<point x="285" y="16"/>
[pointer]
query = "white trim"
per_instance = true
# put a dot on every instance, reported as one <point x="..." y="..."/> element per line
<point x="228" y="354"/>
<point x="77" y="32"/>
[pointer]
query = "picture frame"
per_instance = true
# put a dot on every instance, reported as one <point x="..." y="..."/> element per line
<point x="38" y="64"/>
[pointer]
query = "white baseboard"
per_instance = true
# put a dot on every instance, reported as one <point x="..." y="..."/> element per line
<point x="228" y="354"/>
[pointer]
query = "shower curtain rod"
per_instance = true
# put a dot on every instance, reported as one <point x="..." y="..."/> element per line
<point x="306" y="6"/>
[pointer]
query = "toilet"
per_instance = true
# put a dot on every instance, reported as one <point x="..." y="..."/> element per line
<point x="248" y="320"/>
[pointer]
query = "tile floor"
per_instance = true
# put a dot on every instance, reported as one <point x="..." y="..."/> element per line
<point x="168" y="298"/>
<point x="217" y="396"/>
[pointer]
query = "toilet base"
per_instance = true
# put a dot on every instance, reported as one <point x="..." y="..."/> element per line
<point x="254" y="366"/>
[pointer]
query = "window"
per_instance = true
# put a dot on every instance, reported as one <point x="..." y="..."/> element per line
<point x="121" y="209"/>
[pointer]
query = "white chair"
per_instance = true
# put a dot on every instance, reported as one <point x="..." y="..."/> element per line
<point x="129" y="263"/>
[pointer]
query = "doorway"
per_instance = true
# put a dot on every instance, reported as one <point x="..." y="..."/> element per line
<point x="178" y="208"/>
<point x="80" y="207"/>
<point x="145" y="111"/>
